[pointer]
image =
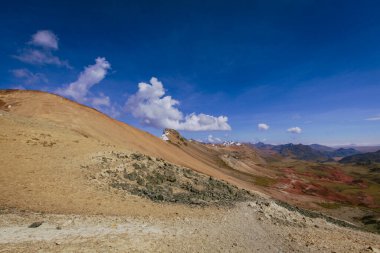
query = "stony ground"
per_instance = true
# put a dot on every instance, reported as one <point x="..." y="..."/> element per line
<point x="255" y="226"/>
<point x="159" y="180"/>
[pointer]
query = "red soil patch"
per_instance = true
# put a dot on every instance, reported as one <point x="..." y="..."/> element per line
<point x="301" y="188"/>
<point x="307" y="183"/>
<point x="366" y="200"/>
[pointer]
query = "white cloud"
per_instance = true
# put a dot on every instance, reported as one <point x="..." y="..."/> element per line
<point x="263" y="126"/>
<point x="204" y="122"/>
<point x="91" y="75"/>
<point x="80" y="89"/>
<point x="40" y="50"/>
<point x="29" y="77"/>
<point x="294" y="130"/>
<point x="40" y="57"/>
<point x="102" y="100"/>
<point x="375" y="118"/>
<point x="212" y="139"/>
<point x="112" y="110"/>
<point x="154" y="109"/>
<point x="46" y="39"/>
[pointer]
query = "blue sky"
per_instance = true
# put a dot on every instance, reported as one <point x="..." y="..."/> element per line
<point x="308" y="70"/>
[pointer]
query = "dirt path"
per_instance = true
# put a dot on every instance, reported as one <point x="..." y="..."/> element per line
<point x="259" y="226"/>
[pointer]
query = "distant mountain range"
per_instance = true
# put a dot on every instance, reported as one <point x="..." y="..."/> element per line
<point x="299" y="151"/>
<point x="313" y="152"/>
<point x="321" y="147"/>
<point x="342" y="152"/>
<point x="261" y="145"/>
<point x="366" y="158"/>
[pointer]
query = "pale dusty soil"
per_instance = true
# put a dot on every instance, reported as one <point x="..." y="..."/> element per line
<point x="249" y="227"/>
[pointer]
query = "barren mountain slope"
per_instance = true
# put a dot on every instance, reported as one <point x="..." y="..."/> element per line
<point x="46" y="140"/>
<point x="237" y="161"/>
<point x="93" y="125"/>
<point x="89" y="123"/>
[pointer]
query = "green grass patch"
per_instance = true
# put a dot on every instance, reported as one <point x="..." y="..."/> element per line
<point x="330" y="205"/>
<point x="264" y="181"/>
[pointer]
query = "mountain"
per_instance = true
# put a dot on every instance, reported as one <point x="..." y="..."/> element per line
<point x="343" y="152"/>
<point x="322" y="148"/>
<point x="364" y="149"/>
<point x="48" y="143"/>
<point x="231" y="143"/>
<point x="313" y="152"/>
<point x="365" y="159"/>
<point x="236" y="160"/>
<point x="333" y="152"/>
<point x="261" y="145"/>
<point x="301" y="152"/>
<point x="89" y="123"/>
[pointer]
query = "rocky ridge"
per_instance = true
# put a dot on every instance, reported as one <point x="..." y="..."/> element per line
<point x="159" y="180"/>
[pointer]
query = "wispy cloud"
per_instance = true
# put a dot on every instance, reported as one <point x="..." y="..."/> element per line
<point x="154" y="109"/>
<point x="212" y="139"/>
<point x="294" y="130"/>
<point x="92" y="74"/>
<point x="40" y="50"/>
<point x="374" y="118"/>
<point x="29" y="77"/>
<point x="263" y="126"/>
<point x="80" y="89"/>
<point x="101" y="100"/>
<point x="41" y="57"/>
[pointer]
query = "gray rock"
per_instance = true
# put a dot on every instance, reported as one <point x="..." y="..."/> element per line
<point x="35" y="224"/>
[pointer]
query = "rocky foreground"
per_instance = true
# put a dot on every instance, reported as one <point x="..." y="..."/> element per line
<point x="156" y="179"/>
<point x="256" y="226"/>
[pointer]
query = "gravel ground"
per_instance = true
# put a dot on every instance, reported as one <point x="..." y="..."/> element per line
<point x="256" y="226"/>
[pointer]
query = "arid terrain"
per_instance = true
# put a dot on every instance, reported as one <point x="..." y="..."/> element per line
<point x="75" y="180"/>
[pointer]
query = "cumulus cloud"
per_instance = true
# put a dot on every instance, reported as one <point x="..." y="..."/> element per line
<point x="29" y="77"/>
<point x="263" y="126"/>
<point x="294" y="130"/>
<point x="154" y="109"/>
<point x="46" y="39"/>
<point x="39" y="51"/>
<point x="91" y="75"/>
<point x="375" y="118"/>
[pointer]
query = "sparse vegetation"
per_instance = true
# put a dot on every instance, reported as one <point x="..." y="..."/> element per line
<point x="330" y="205"/>
<point x="264" y="181"/>
<point x="159" y="180"/>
